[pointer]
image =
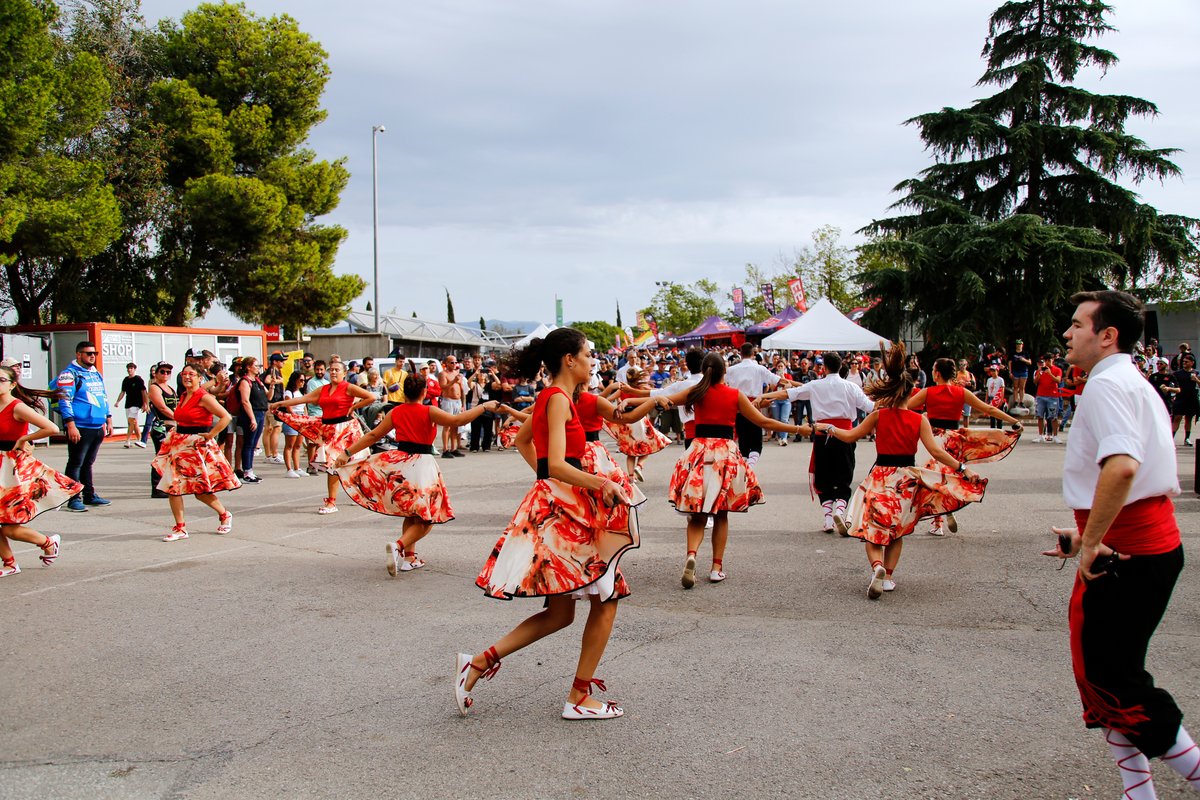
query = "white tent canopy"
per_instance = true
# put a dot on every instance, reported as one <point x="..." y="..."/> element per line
<point x="540" y="333"/>
<point x="823" y="327"/>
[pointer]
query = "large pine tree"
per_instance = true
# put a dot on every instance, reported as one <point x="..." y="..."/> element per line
<point x="1023" y="205"/>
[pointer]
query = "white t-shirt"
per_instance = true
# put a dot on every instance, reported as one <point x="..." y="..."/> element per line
<point x="748" y="376"/>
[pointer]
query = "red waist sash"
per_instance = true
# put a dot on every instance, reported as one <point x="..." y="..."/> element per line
<point x="1143" y="528"/>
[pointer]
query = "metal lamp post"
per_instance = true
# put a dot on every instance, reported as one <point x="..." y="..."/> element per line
<point x="375" y="131"/>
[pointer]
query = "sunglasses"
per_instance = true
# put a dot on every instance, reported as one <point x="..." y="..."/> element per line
<point x="87" y="352"/>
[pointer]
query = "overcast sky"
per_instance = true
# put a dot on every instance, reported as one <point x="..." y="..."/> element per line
<point x="589" y="149"/>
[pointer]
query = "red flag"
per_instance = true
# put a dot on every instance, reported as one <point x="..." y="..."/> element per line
<point x="797" y="287"/>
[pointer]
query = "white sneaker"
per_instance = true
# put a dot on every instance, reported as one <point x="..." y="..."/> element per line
<point x="828" y="526"/>
<point x="393" y="554"/>
<point x="293" y="473"/>
<point x="1035" y="439"/>
<point x="1056" y="439"/>
<point x="875" y="587"/>
<point x="139" y="443"/>
<point x="889" y="585"/>
<point x="839" y="521"/>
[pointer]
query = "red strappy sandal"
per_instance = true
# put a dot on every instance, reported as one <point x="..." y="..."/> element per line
<point x="575" y="711"/>
<point x="463" y="670"/>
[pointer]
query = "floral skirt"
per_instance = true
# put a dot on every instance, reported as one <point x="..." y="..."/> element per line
<point x="331" y="440"/>
<point x="974" y="445"/>
<point x="191" y="464"/>
<point x="508" y="434"/>
<point x="713" y="476"/>
<point x="891" y="500"/>
<point x="28" y="488"/>
<point x="398" y="484"/>
<point x="563" y="540"/>
<point x="638" y="438"/>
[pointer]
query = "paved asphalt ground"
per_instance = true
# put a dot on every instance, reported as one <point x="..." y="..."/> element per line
<point x="281" y="661"/>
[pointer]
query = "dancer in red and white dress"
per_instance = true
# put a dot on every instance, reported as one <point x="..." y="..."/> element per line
<point x="712" y="477"/>
<point x="561" y="544"/>
<point x="637" y="438"/>
<point x="335" y="430"/>
<point x="943" y="402"/>
<point x="515" y="419"/>
<point x="190" y="461"/>
<point x="27" y="486"/>
<point x="896" y="493"/>
<point x="405" y="482"/>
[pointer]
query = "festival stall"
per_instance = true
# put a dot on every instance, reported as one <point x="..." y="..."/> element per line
<point x="823" y="327"/>
<point x="713" y="331"/>
<point x="771" y="324"/>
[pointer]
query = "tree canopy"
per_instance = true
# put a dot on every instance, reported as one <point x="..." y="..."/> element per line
<point x="678" y="308"/>
<point x="1024" y="204"/>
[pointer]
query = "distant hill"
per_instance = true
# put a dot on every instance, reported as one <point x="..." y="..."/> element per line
<point x="505" y="325"/>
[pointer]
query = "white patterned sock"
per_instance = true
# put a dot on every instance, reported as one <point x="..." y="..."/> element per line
<point x="839" y="508"/>
<point x="1184" y="758"/>
<point x="1134" y="766"/>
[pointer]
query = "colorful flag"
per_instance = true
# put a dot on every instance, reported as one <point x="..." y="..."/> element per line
<point x="768" y="296"/>
<point x="797" y="287"/>
<point x="739" y="303"/>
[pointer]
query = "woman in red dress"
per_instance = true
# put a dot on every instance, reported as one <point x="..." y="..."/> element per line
<point x="896" y="493"/>
<point x="637" y="438"/>
<point x="335" y="430"/>
<point x="27" y="486"/>
<point x="560" y="545"/>
<point x="190" y="461"/>
<point x="712" y="477"/>
<point x="942" y="403"/>
<point x="405" y="482"/>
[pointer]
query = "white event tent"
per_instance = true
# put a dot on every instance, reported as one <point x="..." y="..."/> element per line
<point x="540" y="333"/>
<point x="823" y="327"/>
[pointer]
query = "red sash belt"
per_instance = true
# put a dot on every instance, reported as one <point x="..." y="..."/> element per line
<point x="837" y="422"/>
<point x="1143" y="528"/>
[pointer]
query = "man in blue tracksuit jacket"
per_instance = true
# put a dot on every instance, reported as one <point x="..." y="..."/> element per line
<point x="83" y="406"/>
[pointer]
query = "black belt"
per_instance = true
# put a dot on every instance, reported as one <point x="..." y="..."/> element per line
<point x="190" y="429"/>
<point x="890" y="460"/>
<point x="543" y="467"/>
<point x="714" y="431"/>
<point x="591" y="436"/>
<point x="7" y="444"/>
<point x="415" y="449"/>
<point x="334" y="420"/>
<point x="944" y="424"/>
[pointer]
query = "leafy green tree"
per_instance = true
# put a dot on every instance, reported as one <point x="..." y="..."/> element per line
<point x="827" y="268"/>
<point x="679" y="308"/>
<point x="55" y="208"/>
<point x="603" y="334"/>
<point x="1037" y="162"/>
<point x="482" y="323"/>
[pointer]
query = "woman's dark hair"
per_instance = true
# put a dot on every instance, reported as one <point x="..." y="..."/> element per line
<point x="1118" y="310"/>
<point x="294" y="380"/>
<point x="945" y="368"/>
<point x="244" y="366"/>
<point x="413" y="386"/>
<point x="896" y="384"/>
<point x="30" y="397"/>
<point x="712" y="372"/>
<point x="558" y="344"/>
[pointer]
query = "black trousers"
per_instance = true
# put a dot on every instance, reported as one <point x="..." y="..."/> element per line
<point x="481" y="432"/>
<point x="833" y="468"/>
<point x="80" y="457"/>
<point x="749" y="435"/>
<point x="1112" y="619"/>
<point x="157" y="438"/>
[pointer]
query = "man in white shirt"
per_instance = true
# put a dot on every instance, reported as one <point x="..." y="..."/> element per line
<point x="750" y="377"/>
<point x="1119" y="476"/>
<point x="835" y="401"/>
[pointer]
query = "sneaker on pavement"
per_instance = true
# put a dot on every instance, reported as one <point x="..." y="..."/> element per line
<point x="139" y="443"/>
<point x="394" y="553"/>
<point x="76" y="504"/>
<point x="293" y="473"/>
<point x="97" y="501"/>
<point x="828" y="526"/>
<point x="875" y="587"/>
<point x="889" y="585"/>
<point x="311" y="470"/>
<point x="250" y="477"/>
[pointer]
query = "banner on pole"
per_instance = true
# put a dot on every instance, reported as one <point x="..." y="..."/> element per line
<point x="768" y="296"/>
<point x="558" y="315"/>
<point x="739" y="303"/>
<point x="798" y="299"/>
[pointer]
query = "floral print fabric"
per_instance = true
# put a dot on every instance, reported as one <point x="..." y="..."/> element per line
<point x="398" y="484"/>
<point x="713" y="476"/>
<point x="638" y="438"/>
<point x="191" y="464"/>
<point x="508" y="434"/>
<point x="331" y="440"/>
<point x="974" y="445"/>
<point x="891" y="500"/>
<point x="28" y="488"/>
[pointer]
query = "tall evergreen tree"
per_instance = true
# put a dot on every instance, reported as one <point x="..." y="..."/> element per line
<point x="1023" y="204"/>
<point x="619" y="325"/>
<point x="449" y="308"/>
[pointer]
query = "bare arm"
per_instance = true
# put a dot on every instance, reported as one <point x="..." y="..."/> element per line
<point x="365" y="398"/>
<point x="45" y="427"/>
<point x="747" y="410"/>
<point x="854" y="434"/>
<point x="366" y="440"/>
<point x="558" y="411"/>
<point x="310" y="399"/>
<point x="618" y="414"/>
<point x="936" y="450"/>
<point x="989" y="409"/>
<point x="524" y="444"/>
<point x="210" y="404"/>
<point x="446" y="420"/>
<point x="1112" y="490"/>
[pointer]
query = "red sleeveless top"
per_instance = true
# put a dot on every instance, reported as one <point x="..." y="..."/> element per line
<point x="411" y="423"/>
<point x="190" y="414"/>
<point x="588" y="412"/>
<point x="944" y="401"/>
<point x="11" y="428"/>
<point x="718" y="407"/>
<point x="897" y="432"/>
<point x="576" y="440"/>
<point x="335" y="400"/>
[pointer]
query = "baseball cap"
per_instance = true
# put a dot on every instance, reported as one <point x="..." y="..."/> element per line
<point x="307" y="354"/>
<point x="10" y="362"/>
<point x="191" y="353"/>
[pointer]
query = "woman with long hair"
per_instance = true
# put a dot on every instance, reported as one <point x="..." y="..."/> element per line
<point x="637" y="438"/>
<point x="163" y="399"/>
<point x="291" y="436"/>
<point x="942" y="403"/>
<point x="564" y="543"/>
<point x="896" y="494"/>
<point x="251" y="419"/>
<point x="27" y="486"/>
<point x="712" y="477"/>
<point x="405" y="482"/>
<point x="190" y="460"/>
<point x="335" y="430"/>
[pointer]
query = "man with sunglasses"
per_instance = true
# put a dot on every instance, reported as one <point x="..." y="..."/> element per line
<point x="83" y="406"/>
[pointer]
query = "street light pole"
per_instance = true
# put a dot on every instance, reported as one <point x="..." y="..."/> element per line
<point x="375" y="131"/>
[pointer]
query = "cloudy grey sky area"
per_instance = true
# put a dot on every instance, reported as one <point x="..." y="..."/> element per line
<point x="590" y="149"/>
